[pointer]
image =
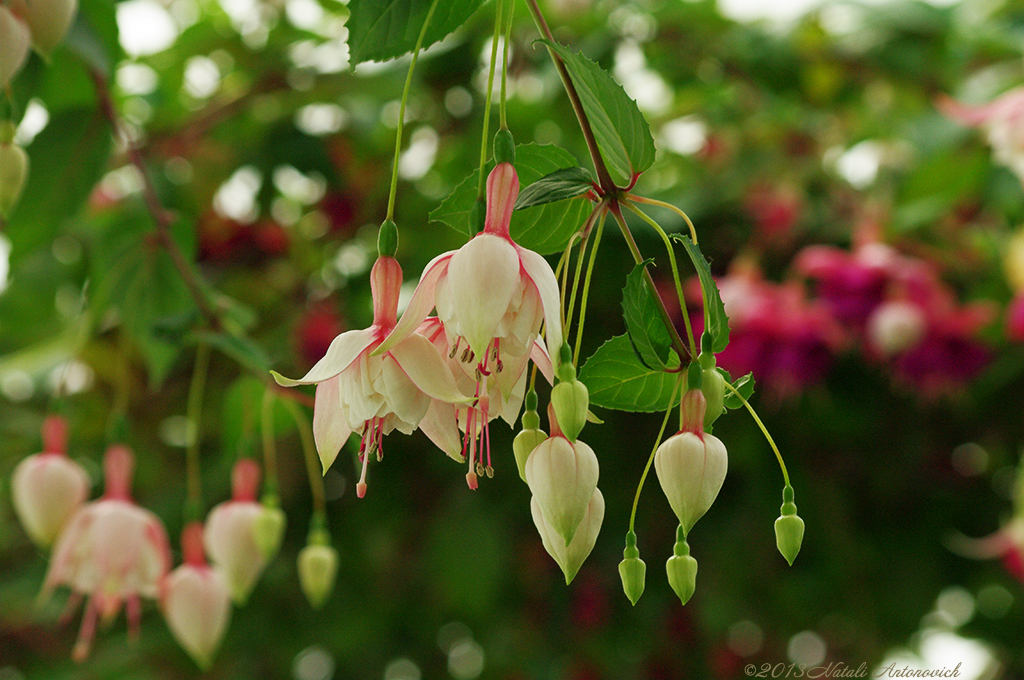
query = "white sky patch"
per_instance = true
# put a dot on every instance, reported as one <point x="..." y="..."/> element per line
<point x="202" y="77"/>
<point x="782" y="12"/>
<point x="305" y="14"/>
<point x="5" y="265"/>
<point x="299" y="187"/>
<point x="419" y="157"/>
<point x="684" y="136"/>
<point x="648" y="88"/>
<point x="321" y="119"/>
<point x="137" y="79"/>
<point x="236" y="198"/>
<point x="32" y="123"/>
<point x="859" y="164"/>
<point x="145" y="27"/>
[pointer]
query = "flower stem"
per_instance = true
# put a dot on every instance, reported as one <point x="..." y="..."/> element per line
<point x="504" y="60"/>
<point x="316" y="480"/>
<point x="677" y="342"/>
<point x="764" y="431"/>
<point x="484" y="136"/>
<point x="401" y="111"/>
<point x="663" y="204"/>
<point x="586" y="288"/>
<point x="657" y="443"/>
<point x="604" y="177"/>
<point x="269" y="442"/>
<point x="194" y="410"/>
<point x="675" y="273"/>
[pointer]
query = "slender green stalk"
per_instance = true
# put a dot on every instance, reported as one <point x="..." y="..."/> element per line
<point x="663" y="204"/>
<point x="194" y="410"/>
<point x="484" y="137"/>
<point x="657" y="443"/>
<point x="269" y="442"/>
<point x="401" y="111"/>
<point x="316" y="480"/>
<point x="588" y="227"/>
<point x="586" y="289"/>
<point x="677" y="342"/>
<point x="764" y="431"/>
<point x="504" y="60"/>
<point x="675" y="273"/>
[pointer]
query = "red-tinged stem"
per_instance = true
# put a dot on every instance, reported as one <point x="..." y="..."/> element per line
<point x="604" y="177"/>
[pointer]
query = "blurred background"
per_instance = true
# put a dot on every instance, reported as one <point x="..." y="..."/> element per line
<point x="860" y="207"/>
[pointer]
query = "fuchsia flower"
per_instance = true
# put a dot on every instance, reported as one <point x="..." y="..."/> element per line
<point x="195" y="601"/>
<point x="368" y="389"/>
<point x="112" y="550"/>
<point x="230" y="532"/>
<point x="48" y="487"/>
<point x="1002" y="120"/>
<point x="491" y="297"/>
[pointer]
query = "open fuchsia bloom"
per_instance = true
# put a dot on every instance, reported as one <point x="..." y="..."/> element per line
<point x="48" y="487"/>
<point x="195" y="601"/>
<point x="1002" y="119"/>
<point x="491" y="296"/>
<point x="112" y="550"/>
<point x="371" y="391"/>
<point x="230" y="532"/>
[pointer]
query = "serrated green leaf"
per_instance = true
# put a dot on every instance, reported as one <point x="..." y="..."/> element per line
<point x="622" y="133"/>
<point x="617" y="380"/>
<point x="545" y="228"/>
<point x="650" y="338"/>
<point x="716" y="323"/>
<point x="556" y="186"/>
<point x="744" y="385"/>
<point x="66" y="160"/>
<point x="385" y="29"/>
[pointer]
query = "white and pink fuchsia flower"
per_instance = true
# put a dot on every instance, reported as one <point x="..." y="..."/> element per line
<point x="365" y="390"/>
<point x="1002" y="120"/>
<point x="48" y="487"/>
<point x="491" y="296"/>
<point x="113" y="551"/>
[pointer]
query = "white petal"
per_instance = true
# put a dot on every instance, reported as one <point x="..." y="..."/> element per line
<point x="543" y="361"/>
<point x="421" y="303"/>
<point x="343" y="351"/>
<point x="330" y="426"/>
<point x="484" y="275"/>
<point x="425" y="366"/>
<point x="440" y="426"/>
<point x="539" y="271"/>
<point x="404" y="399"/>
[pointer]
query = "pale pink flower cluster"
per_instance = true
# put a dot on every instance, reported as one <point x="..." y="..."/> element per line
<point x="1002" y="120"/>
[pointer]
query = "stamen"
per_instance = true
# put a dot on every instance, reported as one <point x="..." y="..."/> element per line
<point x="466" y="354"/>
<point x="479" y="468"/>
<point x="500" y="367"/>
<point x="455" y="348"/>
<point x="361" y="485"/>
<point x="87" y="632"/>
<point x="490" y="472"/>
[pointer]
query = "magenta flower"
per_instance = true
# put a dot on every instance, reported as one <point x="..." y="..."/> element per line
<point x="112" y="550"/>
<point x="491" y="296"/>
<point x="368" y="389"/>
<point x="48" y="487"/>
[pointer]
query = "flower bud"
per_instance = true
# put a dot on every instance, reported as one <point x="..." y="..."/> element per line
<point x="789" y="528"/>
<point x="562" y="476"/>
<point x="571" y="557"/>
<point x="712" y="386"/>
<point x="318" y="567"/>
<point x="632" y="570"/>
<point x="14" y="43"/>
<point x="195" y="602"/>
<point x="691" y="469"/>
<point x="230" y="533"/>
<point x="48" y="21"/>
<point x="524" y="444"/>
<point x="13" y="169"/>
<point x="504" y="147"/>
<point x="48" y="487"/>
<point x="682" y="569"/>
<point x="268" y="529"/>
<point x="571" y="401"/>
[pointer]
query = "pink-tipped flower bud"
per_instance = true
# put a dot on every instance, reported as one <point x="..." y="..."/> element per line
<point x="230" y="533"/>
<point x="562" y="476"/>
<point x="318" y="568"/>
<point x="691" y="468"/>
<point x="15" y="39"/>
<point x="195" y="601"/>
<point x="48" y="487"/>
<point x="571" y="557"/>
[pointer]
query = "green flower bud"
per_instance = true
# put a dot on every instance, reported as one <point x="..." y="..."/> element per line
<point x="318" y="567"/>
<point x="524" y="444"/>
<point x="571" y="402"/>
<point x="562" y="476"/>
<point x="387" y="239"/>
<point x="789" y="528"/>
<point x="268" y="529"/>
<point x="504" y="147"/>
<point x="682" y="569"/>
<point x="13" y="173"/>
<point x="15" y="40"/>
<point x="48" y="21"/>
<point x="691" y="469"/>
<point x="632" y="570"/>
<point x="713" y="388"/>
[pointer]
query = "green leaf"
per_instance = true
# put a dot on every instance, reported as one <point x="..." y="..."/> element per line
<point x="717" y="323"/>
<point x="646" y="330"/>
<point x="617" y="380"/>
<point x="544" y="228"/>
<point x="744" y="385"/>
<point x="94" y="37"/>
<point x="241" y="349"/>
<point x="385" y="29"/>
<point x="554" y="187"/>
<point x="66" y="160"/>
<point x="622" y="133"/>
<point x="241" y="424"/>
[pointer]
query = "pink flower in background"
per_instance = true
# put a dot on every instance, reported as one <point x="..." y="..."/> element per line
<point x="491" y="296"/>
<point x="112" y="550"/>
<point x="368" y="389"/>
<point x="48" y="487"/>
<point x="195" y="601"/>
<point x="1002" y="120"/>
<point x="230" y="532"/>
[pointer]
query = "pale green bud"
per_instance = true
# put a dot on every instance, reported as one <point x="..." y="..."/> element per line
<point x="789" y="528"/>
<point x="571" y="557"/>
<point x="562" y="476"/>
<point x="682" y="569"/>
<point x="13" y="171"/>
<point x="571" y="402"/>
<point x="524" y="444"/>
<point x="318" y="567"/>
<point x="691" y="469"/>
<point x="632" y="570"/>
<point x="713" y="388"/>
<point x="268" y="529"/>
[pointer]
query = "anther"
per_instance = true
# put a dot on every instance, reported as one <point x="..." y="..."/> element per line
<point x="490" y="472"/>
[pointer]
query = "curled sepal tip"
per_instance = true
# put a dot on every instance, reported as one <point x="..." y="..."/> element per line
<point x="632" y="570"/>
<point x="789" y="528"/>
<point x="682" y="569"/>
